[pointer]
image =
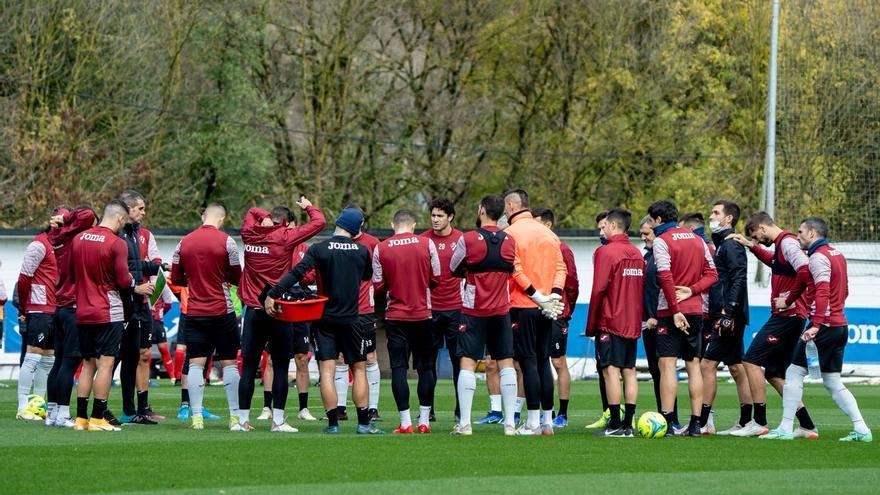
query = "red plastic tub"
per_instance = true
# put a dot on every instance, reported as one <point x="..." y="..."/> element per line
<point x="297" y="311"/>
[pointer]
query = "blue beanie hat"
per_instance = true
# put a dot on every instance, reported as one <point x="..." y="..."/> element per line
<point x="350" y="219"/>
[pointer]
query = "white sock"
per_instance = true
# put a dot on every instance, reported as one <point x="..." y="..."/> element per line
<point x="508" y="394"/>
<point x="26" y="378"/>
<point x="41" y="375"/>
<point x="405" y="419"/>
<point x="195" y="380"/>
<point x="467" y="386"/>
<point x="520" y="401"/>
<point x="244" y="416"/>
<point x="230" y="383"/>
<point x="495" y="402"/>
<point x="278" y="416"/>
<point x="341" y="381"/>
<point x="424" y="415"/>
<point x="63" y="412"/>
<point x="547" y="418"/>
<point x="51" y="410"/>
<point x="792" y="393"/>
<point x="373" y="377"/>
<point x="533" y="420"/>
<point x="845" y="400"/>
<point x="711" y="421"/>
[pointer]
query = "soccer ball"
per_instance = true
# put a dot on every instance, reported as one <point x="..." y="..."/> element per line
<point x="37" y="405"/>
<point x="652" y="425"/>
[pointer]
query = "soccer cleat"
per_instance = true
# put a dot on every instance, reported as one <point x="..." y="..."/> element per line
<point x="152" y="415"/>
<point x="198" y="423"/>
<point x="233" y="420"/>
<point x="751" y="429"/>
<point x="729" y="431"/>
<point x="184" y="412"/>
<point x="509" y="430"/>
<point x="283" y="428"/>
<point x="403" y="431"/>
<point x="464" y="431"/>
<point x="110" y="418"/>
<point x="492" y="417"/>
<point x="678" y="430"/>
<point x="27" y="415"/>
<point x="855" y="436"/>
<point x="368" y="429"/>
<point x="613" y="432"/>
<point x="424" y="429"/>
<point x="524" y="430"/>
<point x="709" y="429"/>
<point x="628" y="432"/>
<point x="374" y="415"/>
<point x="82" y="424"/>
<point x="600" y="423"/>
<point x="49" y="420"/>
<point x="210" y="416"/>
<point x="693" y="430"/>
<point x="331" y="430"/>
<point x="777" y="434"/>
<point x="305" y="415"/>
<point x="560" y="421"/>
<point x="547" y="430"/>
<point x="801" y="432"/>
<point x="102" y="424"/>
<point x="63" y="422"/>
<point x="246" y="427"/>
<point x="432" y="417"/>
<point x="265" y="414"/>
<point x="138" y="419"/>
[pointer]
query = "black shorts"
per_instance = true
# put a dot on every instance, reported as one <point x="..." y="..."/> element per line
<point x="531" y="334"/>
<point x="672" y="342"/>
<point x="40" y="330"/>
<point x="559" y="338"/>
<point x="773" y="345"/>
<point x="332" y="338"/>
<point x="479" y="335"/>
<point x="158" y="335"/>
<point x="206" y="334"/>
<point x="614" y="350"/>
<point x="407" y="338"/>
<point x="66" y="333"/>
<point x="301" y="337"/>
<point x="727" y="348"/>
<point x="444" y="329"/>
<point x="137" y="334"/>
<point x="260" y="332"/>
<point x="831" y="342"/>
<point x="180" y="339"/>
<point x="102" y="339"/>
<point x="366" y="326"/>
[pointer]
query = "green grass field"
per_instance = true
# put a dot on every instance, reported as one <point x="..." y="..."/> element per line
<point x="172" y="457"/>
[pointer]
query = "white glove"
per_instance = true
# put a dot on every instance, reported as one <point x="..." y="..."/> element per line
<point x="551" y="306"/>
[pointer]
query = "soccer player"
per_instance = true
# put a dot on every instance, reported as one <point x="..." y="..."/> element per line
<point x="100" y="272"/>
<point x="649" y="310"/>
<point x="406" y="267"/>
<point x="771" y="350"/>
<point x="559" y="337"/>
<point x="729" y="315"/>
<point x="36" y="306"/>
<point x="829" y="287"/>
<point x="136" y="336"/>
<point x="446" y="295"/>
<point x="367" y="327"/>
<point x="341" y="266"/>
<point x="485" y="257"/>
<point x="602" y="422"/>
<point x="302" y="332"/>
<point x="685" y="269"/>
<point x="615" y="317"/>
<point x="268" y="251"/>
<point x="207" y="262"/>
<point x="536" y="300"/>
<point x="68" y="358"/>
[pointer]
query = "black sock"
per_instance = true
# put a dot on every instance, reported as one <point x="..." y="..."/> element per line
<point x="332" y="417"/>
<point x="629" y="414"/>
<point x="267" y="398"/>
<point x="614" y="422"/>
<point x="184" y="396"/>
<point x="99" y="407"/>
<point x="340" y="409"/>
<point x="745" y="414"/>
<point x="303" y="400"/>
<point x="804" y="419"/>
<point x="563" y="407"/>
<point x="704" y="414"/>
<point x="761" y="413"/>
<point x="695" y="420"/>
<point x="670" y="419"/>
<point x="363" y="416"/>
<point x="143" y="401"/>
<point x="82" y="407"/>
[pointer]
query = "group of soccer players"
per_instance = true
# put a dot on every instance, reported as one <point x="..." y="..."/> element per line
<point x="503" y="292"/>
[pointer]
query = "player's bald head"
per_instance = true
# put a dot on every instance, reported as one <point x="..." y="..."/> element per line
<point x="115" y="209"/>
<point x="214" y="215"/>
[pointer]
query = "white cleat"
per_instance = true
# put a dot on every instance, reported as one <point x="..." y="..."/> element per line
<point x="730" y="431"/>
<point x="751" y="429"/>
<point x="64" y="422"/>
<point x="524" y="430"/>
<point x="465" y="431"/>
<point x="708" y="430"/>
<point x="305" y="415"/>
<point x="283" y="428"/>
<point x="242" y="427"/>
<point x="509" y="430"/>
<point x="27" y="416"/>
<point x="802" y="432"/>
<point x="265" y="414"/>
